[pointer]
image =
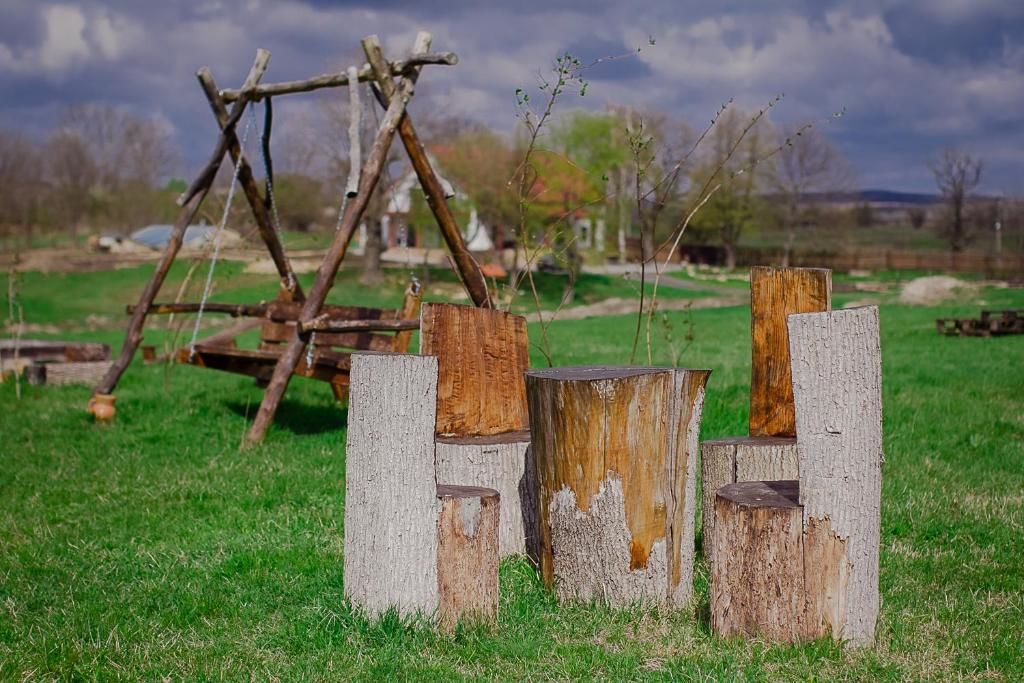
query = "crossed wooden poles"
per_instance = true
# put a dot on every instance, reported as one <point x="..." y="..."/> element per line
<point x="394" y="96"/>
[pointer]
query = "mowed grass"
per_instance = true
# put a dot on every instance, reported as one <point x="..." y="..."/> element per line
<point x="156" y="548"/>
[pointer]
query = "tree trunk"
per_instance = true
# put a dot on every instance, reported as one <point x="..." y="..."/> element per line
<point x="730" y="256"/>
<point x="837" y="385"/>
<point x="727" y="461"/>
<point x="467" y="555"/>
<point x="482" y="355"/>
<point x="503" y="462"/>
<point x="372" y="273"/>
<point x="769" y="578"/>
<point x="391" y="507"/>
<point x="615" y="452"/>
<point x="774" y="294"/>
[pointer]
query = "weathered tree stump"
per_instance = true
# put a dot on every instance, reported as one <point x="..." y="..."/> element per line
<point x="837" y="384"/>
<point x="774" y="294"/>
<point x="616" y="452"/>
<point x="391" y="508"/>
<point x="482" y="355"/>
<point x="467" y="555"/>
<point x="771" y="578"/>
<point x="502" y="462"/>
<point x="743" y="458"/>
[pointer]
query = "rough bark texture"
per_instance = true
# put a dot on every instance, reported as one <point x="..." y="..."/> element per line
<point x="837" y="384"/>
<point x="89" y="372"/>
<point x="766" y="579"/>
<point x="504" y="463"/>
<point x="727" y="461"/>
<point x="467" y="555"/>
<point x="391" y="506"/>
<point x="482" y="355"/>
<point x="615" y="452"/>
<point x="774" y="294"/>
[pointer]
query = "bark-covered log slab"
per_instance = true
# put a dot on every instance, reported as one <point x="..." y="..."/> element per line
<point x="503" y="462"/>
<point x="837" y="385"/>
<point x="391" y="505"/>
<point x="615" y="451"/>
<point x="774" y="294"/>
<point x="482" y="354"/>
<point x="770" y="578"/>
<point x="467" y="555"/>
<point x="744" y="458"/>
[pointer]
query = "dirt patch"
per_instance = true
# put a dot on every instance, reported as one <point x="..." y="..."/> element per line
<point x="620" y="306"/>
<point x="928" y="291"/>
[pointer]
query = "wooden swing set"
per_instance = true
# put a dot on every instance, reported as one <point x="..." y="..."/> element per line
<point x="300" y="333"/>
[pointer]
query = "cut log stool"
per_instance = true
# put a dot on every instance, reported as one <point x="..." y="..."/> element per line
<point x="467" y="555"/>
<point x="482" y="428"/>
<point x="771" y="578"/>
<point x="744" y="458"/>
<point x="615" y="452"/>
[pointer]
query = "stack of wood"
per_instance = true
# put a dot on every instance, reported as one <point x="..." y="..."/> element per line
<point x="798" y="560"/>
<point x="770" y="450"/>
<point x="615" y="453"/>
<point x="410" y="544"/>
<point x="482" y="429"/>
<point x="988" y="324"/>
<point x="55" y="362"/>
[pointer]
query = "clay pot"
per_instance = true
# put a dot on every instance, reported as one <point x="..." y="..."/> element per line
<point x="102" y="407"/>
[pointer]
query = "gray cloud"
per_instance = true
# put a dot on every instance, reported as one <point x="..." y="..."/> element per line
<point x="913" y="76"/>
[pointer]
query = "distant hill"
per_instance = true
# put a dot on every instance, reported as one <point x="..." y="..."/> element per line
<point x="873" y="196"/>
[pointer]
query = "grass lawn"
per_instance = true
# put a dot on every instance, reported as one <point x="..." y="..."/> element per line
<point x="156" y="548"/>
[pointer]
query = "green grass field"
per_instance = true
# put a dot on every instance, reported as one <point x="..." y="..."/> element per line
<point x="157" y="549"/>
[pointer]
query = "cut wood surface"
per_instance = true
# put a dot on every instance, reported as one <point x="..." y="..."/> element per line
<point x="482" y="355"/>
<point x="769" y="579"/>
<point x="744" y="458"/>
<point x="774" y="294"/>
<point x="502" y="462"/>
<point x="615" y="452"/>
<point x="467" y="555"/>
<point x="837" y="384"/>
<point x="391" y="505"/>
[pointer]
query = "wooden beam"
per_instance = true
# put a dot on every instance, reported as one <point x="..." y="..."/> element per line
<point x="133" y="335"/>
<point x="209" y="172"/>
<point x="278" y="311"/>
<point x="466" y="266"/>
<point x="292" y="353"/>
<point x="335" y="80"/>
<point x="325" y="324"/>
<point x="260" y="212"/>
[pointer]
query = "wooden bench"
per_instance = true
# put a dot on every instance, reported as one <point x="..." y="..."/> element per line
<point x="332" y="337"/>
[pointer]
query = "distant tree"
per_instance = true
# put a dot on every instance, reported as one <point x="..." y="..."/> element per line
<point x="957" y="174"/>
<point x="807" y="163"/>
<point x="863" y="215"/>
<point x="731" y="162"/>
<point x="916" y="216"/>
<point x="22" y="183"/>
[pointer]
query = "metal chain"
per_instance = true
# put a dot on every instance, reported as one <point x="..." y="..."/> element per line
<point x="208" y="287"/>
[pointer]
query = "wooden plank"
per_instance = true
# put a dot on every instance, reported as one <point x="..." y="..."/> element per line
<point x="482" y="355"/>
<point x="837" y="385"/>
<point x="774" y="294"/>
<point x="278" y="333"/>
<point x="329" y="367"/>
<point x="46" y="350"/>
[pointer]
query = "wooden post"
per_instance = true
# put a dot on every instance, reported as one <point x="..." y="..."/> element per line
<point x="391" y="507"/>
<point x="744" y="458"/>
<point x="264" y="223"/>
<point x="616" y="455"/>
<point x="467" y="555"/>
<point x="837" y="384"/>
<point x="766" y="578"/>
<point x="482" y="355"/>
<point x="774" y="294"/>
<point x="466" y="266"/>
<point x="503" y="462"/>
<point x="133" y="335"/>
<point x="292" y="352"/>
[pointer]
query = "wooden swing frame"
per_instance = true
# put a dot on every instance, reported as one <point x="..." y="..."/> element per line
<point x="305" y="313"/>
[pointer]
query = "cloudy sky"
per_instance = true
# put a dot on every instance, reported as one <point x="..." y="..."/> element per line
<point x="913" y="76"/>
